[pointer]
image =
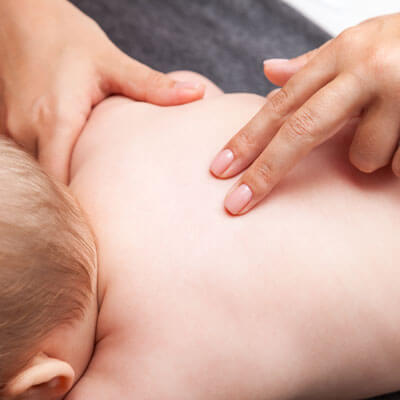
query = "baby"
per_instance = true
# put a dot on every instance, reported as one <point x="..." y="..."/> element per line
<point x="48" y="275"/>
<point x="298" y="299"/>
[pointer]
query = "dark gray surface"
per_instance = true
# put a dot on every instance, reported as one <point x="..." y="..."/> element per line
<point x="226" y="40"/>
<point x="393" y="396"/>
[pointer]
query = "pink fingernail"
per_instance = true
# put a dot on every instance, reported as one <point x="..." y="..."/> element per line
<point x="238" y="199"/>
<point x="221" y="162"/>
<point x="275" y="62"/>
<point x="187" y="85"/>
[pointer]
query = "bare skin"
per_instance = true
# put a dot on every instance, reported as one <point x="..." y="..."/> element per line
<point x="298" y="299"/>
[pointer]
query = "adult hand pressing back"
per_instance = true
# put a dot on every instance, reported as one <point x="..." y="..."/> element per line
<point x="55" y="65"/>
<point x="356" y="74"/>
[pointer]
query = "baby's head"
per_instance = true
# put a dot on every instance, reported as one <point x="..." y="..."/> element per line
<point x="48" y="305"/>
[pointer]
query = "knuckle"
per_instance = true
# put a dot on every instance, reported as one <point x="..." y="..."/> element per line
<point x="301" y="124"/>
<point x="157" y="79"/>
<point x="272" y="93"/>
<point x="351" y="41"/>
<point x="383" y="62"/>
<point x="351" y="38"/>
<point x="263" y="173"/>
<point x="243" y="143"/>
<point x="344" y="38"/>
<point x="379" y="58"/>
<point x="41" y="111"/>
<point x="154" y="80"/>
<point x="279" y="102"/>
<point x="49" y="117"/>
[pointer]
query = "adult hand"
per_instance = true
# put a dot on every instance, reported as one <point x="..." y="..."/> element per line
<point x="55" y="65"/>
<point x="355" y="74"/>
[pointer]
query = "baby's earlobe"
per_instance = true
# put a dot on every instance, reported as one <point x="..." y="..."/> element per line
<point x="43" y="378"/>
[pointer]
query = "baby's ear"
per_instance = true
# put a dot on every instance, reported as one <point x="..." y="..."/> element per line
<point x="44" y="378"/>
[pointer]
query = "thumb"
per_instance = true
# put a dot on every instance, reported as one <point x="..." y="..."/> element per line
<point x="133" y="79"/>
<point x="279" y="70"/>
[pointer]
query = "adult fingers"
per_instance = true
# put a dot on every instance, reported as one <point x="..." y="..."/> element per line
<point x="317" y="120"/>
<point x="133" y="79"/>
<point x="376" y="137"/>
<point x="279" y="70"/>
<point x="251" y="140"/>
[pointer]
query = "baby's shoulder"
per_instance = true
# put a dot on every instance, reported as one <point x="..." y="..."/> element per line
<point x="91" y="386"/>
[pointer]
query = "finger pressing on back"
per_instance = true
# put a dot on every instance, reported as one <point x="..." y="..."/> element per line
<point x="316" y="121"/>
<point x="252" y="139"/>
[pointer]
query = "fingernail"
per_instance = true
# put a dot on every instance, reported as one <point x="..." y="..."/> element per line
<point x="187" y="85"/>
<point x="221" y="162"/>
<point x="238" y="199"/>
<point x="275" y="62"/>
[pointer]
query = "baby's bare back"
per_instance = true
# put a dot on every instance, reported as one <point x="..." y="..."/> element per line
<point x="298" y="298"/>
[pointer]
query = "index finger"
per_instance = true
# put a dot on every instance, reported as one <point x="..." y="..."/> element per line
<point x="315" y="122"/>
<point x="252" y="139"/>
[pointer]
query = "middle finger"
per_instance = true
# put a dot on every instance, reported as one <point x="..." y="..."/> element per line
<point x="251" y="140"/>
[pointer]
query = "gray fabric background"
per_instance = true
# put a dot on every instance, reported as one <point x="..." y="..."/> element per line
<point x="226" y="40"/>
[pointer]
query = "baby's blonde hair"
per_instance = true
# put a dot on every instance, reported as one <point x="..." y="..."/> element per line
<point x="47" y="259"/>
